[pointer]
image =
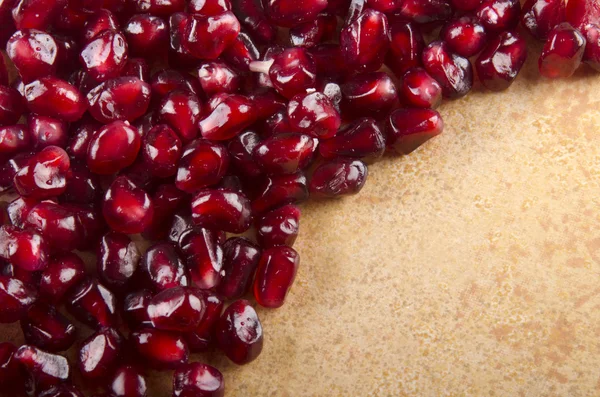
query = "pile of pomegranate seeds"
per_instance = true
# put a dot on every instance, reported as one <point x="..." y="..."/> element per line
<point x="194" y="122"/>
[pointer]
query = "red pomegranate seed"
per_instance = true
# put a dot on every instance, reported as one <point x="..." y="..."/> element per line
<point x="285" y="153"/>
<point x="167" y="200"/>
<point x="128" y="382"/>
<point x="420" y="90"/>
<point x="407" y="129"/>
<point x="160" y="349"/>
<point x="105" y="55"/>
<point x="228" y="118"/>
<point x="168" y="80"/>
<point x="182" y="111"/>
<point x="465" y="5"/>
<point x="353" y="11"/>
<point x="241" y="148"/>
<point x="581" y="13"/>
<point x="338" y="177"/>
<point x="251" y="15"/>
<point x="71" y="18"/>
<point x="178" y="53"/>
<point x="140" y="175"/>
<point x="275" y="275"/>
<point x="221" y="210"/>
<point x="275" y="191"/>
<point x="362" y="139"/>
<point x="289" y="13"/>
<point x="311" y="33"/>
<point x="206" y="8"/>
<point x="368" y="94"/>
<point x="218" y="77"/>
<point x="58" y="225"/>
<point x="10" y="168"/>
<point x="127" y="208"/>
<point x="11" y="271"/>
<point x="278" y="227"/>
<point x="92" y="223"/>
<point x="279" y="123"/>
<point x="198" y="380"/>
<point x="239" y="333"/>
<point x="465" y="36"/>
<point x="201" y="338"/>
<point x="263" y="79"/>
<point x="563" y="52"/>
<point x="124" y="98"/>
<point x="499" y="15"/>
<point x="13" y="139"/>
<point x="365" y="41"/>
<point x="239" y="264"/>
<point x="15" y="298"/>
<point x="425" y="11"/>
<point x="242" y="52"/>
<point x="314" y="114"/>
<point x="53" y="97"/>
<point x="266" y="102"/>
<point x="452" y="71"/>
<point x="500" y="62"/>
<point x="112" y="148"/>
<point x="98" y="355"/>
<point x="82" y="186"/>
<point x="11" y="377"/>
<point x="177" y="309"/>
<point x="44" y="327"/>
<point x="82" y="81"/>
<point x="92" y="303"/>
<point x="45" y="368"/>
<point x="591" y="55"/>
<point x="147" y="35"/>
<point x="161" y="150"/>
<point x="64" y="271"/>
<point x="539" y="17"/>
<point x="118" y="258"/>
<point x="35" y="14"/>
<point x="204" y="257"/>
<point x="12" y="105"/>
<point x="25" y="249"/>
<point x="63" y="390"/>
<point x="44" y="175"/>
<point x="18" y="209"/>
<point x="203" y="164"/>
<point x="97" y="23"/>
<point x="159" y="7"/>
<point x="135" y="309"/>
<point x="46" y="131"/>
<point x="162" y="268"/>
<point x="207" y="37"/>
<point x="137" y="67"/>
<point x="34" y="54"/>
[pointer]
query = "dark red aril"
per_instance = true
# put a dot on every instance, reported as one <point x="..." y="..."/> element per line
<point x="15" y="298"/>
<point x="251" y="15"/>
<point x="161" y="150"/>
<point x="177" y="309"/>
<point x="539" y="17"/>
<point x="46" y="328"/>
<point x="117" y="260"/>
<point x="217" y="77"/>
<point x="159" y="349"/>
<point x="500" y="62"/>
<point x="14" y="139"/>
<point x="221" y="209"/>
<point x="127" y="208"/>
<point x="46" y="369"/>
<point x="591" y="55"/>
<point x="240" y="260"/>
<point x="581" y="13"/>
<point x="275" y="275"/>
<point x="12" y="105"/>
<point x="198" y="380"/>
<point x="34" y="54"/>
<point x="11" y="377"/>
<point x="168" y="80"/>
<point x="228" y="118"/>
<point x="25" y="249"/>
<point x="368" y="94"/>
<point x="278" y="190"/>
<point x="201" y="338"/>
<point x="162" y="268"/>
<point x="465" y="36"/>
<point x="167" y="200"/>
<point x="44" y="175"/>
<point x="181" y="110"/>
<point x="124" y="98"/>
<point x="419" y="89"/>
<point x="563" y="52"/>
<point x="239" y="333"/>
<point x="207" y="37"/>
<point x="203" y="164"/>
<point x="97" y="23"/>
<point x="407" y="129"/>
<point x="46" y="131"/>
<point x="338" y="177"/>
<point x="204" y="257"/>
<point x="207" y="8"/>
<point x="19" y="208"/>
<point x="311" y="33"/>
<point x="499" y="15"/>
<point x="82" y="186"/>
<point x="53" y="97"/>
<point x="279" y="123"/>
<point x="314" y="114"/>
<point x="112" y="148"/>
<point x="128" y="381"/>
<point x="241" y="148"/>
<point x="105" y="55"/>
<point x="58" y="225"/>
<point x="135" y="309"/>
<point x="92" y="223"/>
<point x="64" y="271"/>
<point x="137" y="67"/>
<point x="289" y="13"/>
<point x="147" y="35"/>
<point x="285" y="153"/>
<point x="277" y="227"/>
<point x="158" y="7"/>
<point x="93" y="304"/>
<point x="98" y="354"/>
<point x="452" y="71"/>
<point x="266" y="102"/>
<point x="365" y="41"/>
<point x="241" y="52"/>
<point x="422" y="12"/>
<point x="361" y="139"/>
<point x="406" y="47"/>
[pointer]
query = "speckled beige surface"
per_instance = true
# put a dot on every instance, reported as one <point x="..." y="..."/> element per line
<point x="469" y="268"/>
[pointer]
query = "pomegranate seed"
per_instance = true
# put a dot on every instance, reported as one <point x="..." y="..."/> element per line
<point x="279" y="190"/>
<point x="137" y="67"/>
<point x="222" y="210"/>
<point x="11" y="377"/>
<point x="118" y="258"/>
<point x="168" y="80"/>
<point x="25" y="249"/>
<point x="581" y="13"/>
<point x="289" y="13"/>
<point x="10" y="168"/>
<point x="44" y="175"/>
<point x="99" y="21"/>
<point x="354" y="9"/>
<point x="45" y="368"/>
<point x="82" y="186"/>
<point x="82" y="81"/>
<point x="311" y="33"/>
<point x="499" y="15"/>
<point x="563" y="52"/>
<point x="285" y="153"/>
<point x="181" y="110"/>
<point x="35" y="14"/>
<point x="145" y="123"/>
<point x="241" y="148"/>
<point x="18" y="209"/>
<point x="46" y="131"/>
<point x="92" y="223"/>
<point x="58" y="225"/>
<point x="204" y="257"/>
<point x="217" y="77"/>
<point x="146" y="35"/>
<point x="161" y="151"/>
<point x="203" y="164"/>
<point x="105" y="55"/>
<point x="178" y="53"/>
<point x="207" y="37"/>
<point x="201" y="338"/>
<point x="228" y="118"/>
<point x="465" y="36"/>
<point x="465" y="5"/>
<point x="63" y="273"/>
<point x="239" y="333"/>
<point x="362" y="139"/>
<point x="500" y="62"/>
<point x="167" y="200"/>
<point x="425" y="11"/>
<point x="263" y="79"/>
<point x="371" y="94"/>
<point x="242" y="52"/>
<point x="47" y="329"/>
<point x="92" y="303"/>
<point x="127" y="208"/>
<point x="177" y="309"/>
<point x="124" y="98"/>
<point x="159" y="7"/>
<point x="420" y="90"/>
<point x="239" y="264"/>
<point x="206" y="8"/>
<point x="112" y="148"/>
<point x="53" y="97"/>
<point x="591" y="55"/>
<point x="11" y="271"/>
<point x="160" y="349"/>
<point x="251" y="15"/>
<point x="61" y="391"/>
<point x="12" y="105"/>
<point x="135" y="309"/>
<point x="277" y="227"/>
<point x="13" y="139"/>
<point x="407" y="129"/>
<point x="34" y="54"/>
<point x="128" y="382"/>
<point x="140" y="175"/>
<point x="539" y="17"/>
<point x="314" y="114"/>
<point x="198" y="380"/>
<point x="365" y="41"/>
<point x="15" y="298"/>
<point x="279" y="123"/>
<point x="99" y="353"/>
<point x="453" y="72"/>
<point x="266" y="102"/>
<point x="71" y="19"/>
<point x="275" y="275"/>
<point x="338" y="177"/>
<point x="162" y="268"/>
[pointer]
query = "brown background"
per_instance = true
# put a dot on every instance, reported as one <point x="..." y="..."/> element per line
<point x="468" y="268"/>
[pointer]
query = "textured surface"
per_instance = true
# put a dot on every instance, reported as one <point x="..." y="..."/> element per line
<point x="469" y="268"/>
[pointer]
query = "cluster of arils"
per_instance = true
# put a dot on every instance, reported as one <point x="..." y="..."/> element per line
<point x="186" y="120"/>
